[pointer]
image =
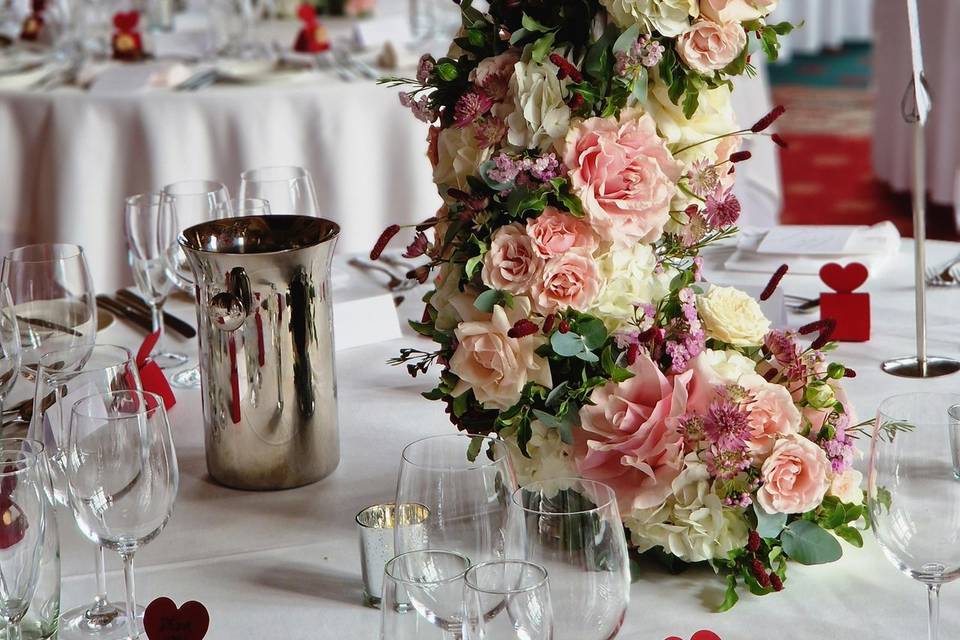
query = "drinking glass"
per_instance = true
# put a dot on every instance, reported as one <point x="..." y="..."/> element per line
<point x="122" y="475"/>
<point x="913" y="490"/>
<point x="573" y="530"/>
<point x="423" y="596"/>
<point x="63" y="378"/>
<point x="140" y="222"/>
<point x="22" y="500"/>
<point x="182" y="205"/>
<point x="468" y="502"/>
<point x="507" y="600"/>
<point x="249" y="207"/>
<point x="9" y="345"/>
<point x="289" y="190"/>
<point x="53" y="299"/>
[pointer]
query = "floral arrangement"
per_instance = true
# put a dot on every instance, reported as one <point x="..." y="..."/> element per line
<point x="585" y="153"/>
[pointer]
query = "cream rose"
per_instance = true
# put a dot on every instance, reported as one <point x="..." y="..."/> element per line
<point x="511" y="264"/>
<point x="570" y="280"/>
<point x="709" y="46"/>
<point x="736" y="10"/>
<point x="795" y="477"/>
<point x="731" y="316"/>
<point x="494" y="365"/>
<point x="669" y="17"/>
<point x="540" y="114"/>
<point x="630" y="277"/>
<point x="846" y="487"/>
<point x="458" y="156"/>
<point x="692" y="524"/>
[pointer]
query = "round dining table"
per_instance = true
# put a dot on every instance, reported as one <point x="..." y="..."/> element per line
<point x="286" y="564"/>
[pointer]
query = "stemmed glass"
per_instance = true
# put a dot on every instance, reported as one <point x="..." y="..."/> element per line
<point x="468" y="501"/>
<point x="9" y="345"/>
<point x="913" y="490"/>
<point x="573" y="530"/>
<point x="122" y="475"/>
<point x="249" y="207"/>
<point x="64" y="377"/>
<point x="423" y="596"/>
<point x="22" y="528"/>
<point x="141" y="224"/>
<point x="507" y="600"/>
<point x="53" y="299"/>
<point x="183" y="205"/>
<point x="289" y="190"/>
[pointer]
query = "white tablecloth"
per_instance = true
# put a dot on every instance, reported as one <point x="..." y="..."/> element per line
<point x="892" y="137"/>
<point x="827" y="24"/>
<point x="286" y="564"/>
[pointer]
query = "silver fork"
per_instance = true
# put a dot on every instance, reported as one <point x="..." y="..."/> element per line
<point x="946" y="275"/>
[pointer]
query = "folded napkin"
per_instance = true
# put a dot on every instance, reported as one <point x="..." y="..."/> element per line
<point x="151" y="376"/>
<point x="806" y="248"/>
<point x="128" y="78"/>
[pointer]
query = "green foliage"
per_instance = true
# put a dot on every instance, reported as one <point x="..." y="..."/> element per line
<point x="806" y="543"/>
<point x="769" y="525"/>
<point x="490" y="298"/>
<point x="730" y="596"/>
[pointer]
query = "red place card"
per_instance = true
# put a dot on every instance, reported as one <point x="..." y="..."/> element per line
<point x="850" y="311"/>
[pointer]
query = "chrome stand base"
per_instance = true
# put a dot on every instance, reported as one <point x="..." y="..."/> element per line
<point x="912" y="367"/>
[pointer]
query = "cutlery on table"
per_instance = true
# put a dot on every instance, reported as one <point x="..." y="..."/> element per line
<point x="172" y="322"/>
<point x="141" y="320"/>
<point x="799" y="304"/>
<point x="946" y="275"/>
<point x="395" y="282"/>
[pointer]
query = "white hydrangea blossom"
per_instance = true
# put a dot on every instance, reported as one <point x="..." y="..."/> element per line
<point x="669" y="17"/>
<point x="630" y="278"/>
<point x="540" y="113"/>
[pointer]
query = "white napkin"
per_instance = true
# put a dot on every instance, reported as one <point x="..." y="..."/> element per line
<point x="26" y="79"/>
<point x="188" y="45"/>
<point x="127" y="78"/>
<point x="373" y="33"/>
<point x="874" y="246"/>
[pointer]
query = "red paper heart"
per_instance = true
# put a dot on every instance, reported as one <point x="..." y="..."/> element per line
<point x="126" y="20"/>
<point x="844" y="279"/>
<point x="705" y="635"/>
<point x="163" y="621"/>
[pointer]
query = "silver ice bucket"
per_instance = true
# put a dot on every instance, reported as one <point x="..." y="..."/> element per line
<point x="265" y="327"/>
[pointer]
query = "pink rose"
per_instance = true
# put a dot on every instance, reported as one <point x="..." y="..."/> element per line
<point x="493" y="74"/>
<point x="629" y="437"/>
<point x="494" y="365"/>
<point x="795" y="477"/>
<point x="625" y="176"/>
<point x="568" y="280"/>
<point x="772" y="414"/>
<point x="709" y="46"/>
<point x="736" y="10"/>
<point x="555" y="232"/>
<point x="511" y="264"/>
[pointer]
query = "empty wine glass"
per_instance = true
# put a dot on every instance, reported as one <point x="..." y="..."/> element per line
<point x="141" y="225"/>
<point x="468" y="501"/>
<point x="22" y="529"/>
<point x="63" y="378"/>
<point x="53" y="300"/>
<point x="573" y="530"/>
<point x="248" y="207"/>
<point x="423" y="596"/>
<point x="507" y="600"/>
<point x="913" y="490"/>
<point x="9" y="345"/>
<point x="122" y="475"/>
<point x="289" y="190"/>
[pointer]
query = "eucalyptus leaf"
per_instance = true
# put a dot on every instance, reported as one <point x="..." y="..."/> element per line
<point x="518" y="35"/>
<point x="769" y="525"/>
<point x="556" y="394"/>
<point x="487" y="300"/>
<point x="627" y="39"/>
<point x="588" y="356"/>
<point x="594" y="333"/>
<point x="472" y="265"/>
<point x="638" y="88"/>
<point x="567" y="344"/>
<point x="806" y="543"/>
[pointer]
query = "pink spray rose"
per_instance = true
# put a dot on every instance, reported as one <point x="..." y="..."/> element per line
<point x="709" y="46"/>
<point x="795" y="477"/>
<point x="511" y="264"/>
<point x="772" y="414"/>
<point x="569" y="280"/>
<point x="624" y="174"/>
<point x="555" y="232"/>
<point x="629" y="437"/>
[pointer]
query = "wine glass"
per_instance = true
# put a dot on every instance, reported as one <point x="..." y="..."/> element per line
<point x="22" y="529"/>
<point x="122" y="475"/>
<point x="573" y="530"/>
<point x="468" y="501"/>
<point x="249" y="207"/>
<point x="913" y="490"/>
<point x="53" y="299"/>
<point x="64" y="377"/>
<point x="289" y="190"/>
<point x="183" y="205"/>
<point x="423" y="596"/>
<point x="507" y="600"/>
<point x="140" y="223"/>
<point x="9" y="345"/>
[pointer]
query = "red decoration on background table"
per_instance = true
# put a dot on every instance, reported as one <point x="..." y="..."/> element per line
<point x="33" y="23"/>
<point x="127" y="43"/>
<point x="313" y="37"/>
<point x="850" y="310"/>
<point x="163" y="621"/>
<point x="151" y="376"/>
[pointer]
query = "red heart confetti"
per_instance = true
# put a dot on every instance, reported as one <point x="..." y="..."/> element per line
<point x="844" y="279"/>
<point x="703" y="634"/>
<point x="163" y="621"/>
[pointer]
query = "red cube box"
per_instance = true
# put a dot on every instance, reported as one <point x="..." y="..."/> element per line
<point x="851" y="311"/>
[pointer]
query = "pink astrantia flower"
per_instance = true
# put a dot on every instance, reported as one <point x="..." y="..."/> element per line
<point x="493" y="74"/>
<point x="723" y="209"/>
<point x="471" y="105"/>
<point x="624" y="175"/>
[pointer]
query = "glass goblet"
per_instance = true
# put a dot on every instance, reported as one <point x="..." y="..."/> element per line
<point x="507" y="600"/>
<point x="289" y="190"/>
<point x="573" y="530"/>
<point x="913" y="490"/>
<point x="423" y="596"/>
<point x="9" y="345"/>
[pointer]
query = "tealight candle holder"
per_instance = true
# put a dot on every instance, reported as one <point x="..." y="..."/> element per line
<point x="377" y="526"/>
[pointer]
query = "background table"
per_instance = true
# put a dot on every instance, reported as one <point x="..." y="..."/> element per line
<point x="286" y="564"/>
